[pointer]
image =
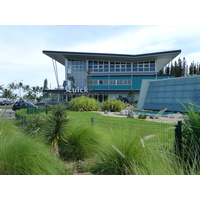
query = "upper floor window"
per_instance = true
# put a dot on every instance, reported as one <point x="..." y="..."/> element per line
<point x="117" y="67"/>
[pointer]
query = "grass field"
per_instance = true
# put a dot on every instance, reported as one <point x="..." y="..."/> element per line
<point x="113" y="145"/>
<point x="163" y="133"/>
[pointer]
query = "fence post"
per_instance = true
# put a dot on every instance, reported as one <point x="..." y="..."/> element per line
<point x="178" y="139"/>
<point x="92" y="121"/>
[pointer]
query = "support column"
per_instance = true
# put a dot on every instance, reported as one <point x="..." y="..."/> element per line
<point x="66" y="68"/>
<point x="66" y="72"/>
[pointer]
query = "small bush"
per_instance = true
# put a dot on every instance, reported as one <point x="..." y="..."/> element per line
<point x="6" y="127"/>
<point x="80" y="143"/>
<point x="24" y="155"/>
<point x="121" y="153"/>
<point x="35" y="123"/>
<point x="84" y="104"/>
<point x="113" y="105"/>
<point x="191" y="136"/>
<point x="142" y="116"/>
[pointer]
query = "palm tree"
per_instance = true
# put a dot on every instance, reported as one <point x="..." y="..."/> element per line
<point x="12" y="86"/>
<point x="1" y="87"/>
<point x="6" y="93"/>
<point x="26" y="88"/>
<point x="20" y="86"/>
<point x="30" y="95"/>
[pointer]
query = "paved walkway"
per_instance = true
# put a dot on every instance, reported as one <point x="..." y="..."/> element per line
<point x="7" y="113"/>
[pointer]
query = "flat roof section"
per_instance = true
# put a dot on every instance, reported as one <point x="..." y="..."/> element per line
<point x="60" y="56"/>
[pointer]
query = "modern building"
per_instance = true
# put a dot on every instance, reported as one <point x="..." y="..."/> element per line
<point x="106" y="75"/>
<point x="169" y="93"/>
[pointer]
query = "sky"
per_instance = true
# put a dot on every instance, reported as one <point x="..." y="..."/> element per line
<point x="21" y="46"/>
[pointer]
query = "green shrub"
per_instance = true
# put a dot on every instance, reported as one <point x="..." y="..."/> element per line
<point x="24" y="155"/>
<point x="80" y="143"/>
<point x="121" y="153"/>
<point x="142" y="116"/>
<point x="7" y="127"/>
<point x="113" y="105"/>
<point x="84" y="104"/>
<point x="35" y="124"/>
<point x="191" y="136"/>
<point x="56" y="125"/>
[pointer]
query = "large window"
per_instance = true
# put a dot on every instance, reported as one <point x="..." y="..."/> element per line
<point x="117" y="67"/>
<point x="127" y="82"/>
<point x="112" y="82"/>
<point x="103" y="82"/>
<point x="119" y="82"/>
<point x="76" y="74"/>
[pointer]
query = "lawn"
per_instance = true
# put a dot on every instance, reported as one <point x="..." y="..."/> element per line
<point x="164" y="133"/>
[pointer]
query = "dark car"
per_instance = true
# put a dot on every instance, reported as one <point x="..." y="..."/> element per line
<point x="22" y="105"/>
<point x="43" y="104"/>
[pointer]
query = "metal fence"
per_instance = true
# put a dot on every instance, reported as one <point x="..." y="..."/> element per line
<point x="159" y="135"/>
<point x="34" y="110"/>
<point x="162" y="136"/>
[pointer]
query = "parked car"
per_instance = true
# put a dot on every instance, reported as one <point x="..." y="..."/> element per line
<point x="22" y="105"/>
<point x="43" y="104"/>
<point x="5" y="101"/>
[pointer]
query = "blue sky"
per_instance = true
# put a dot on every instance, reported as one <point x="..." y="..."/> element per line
<point x="21" y="46"/>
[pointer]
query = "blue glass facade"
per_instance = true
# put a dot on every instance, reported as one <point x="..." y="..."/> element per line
<point x="170" y="93"/>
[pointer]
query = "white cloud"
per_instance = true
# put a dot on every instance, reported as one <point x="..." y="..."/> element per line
<point x="22" y="57"/>
<point x="143" y="40"/>
<point x="193" y="57"/>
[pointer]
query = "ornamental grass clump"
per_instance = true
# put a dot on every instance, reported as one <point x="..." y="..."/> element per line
<point x="191" y="137"/>
<point x="121" y="153"/>
<point x="81" y="142"/>
<point x="84" y="104"/>
<point x="113" y="105"/>
<point x="24" y="155"/>
<point x="6" y="127"/>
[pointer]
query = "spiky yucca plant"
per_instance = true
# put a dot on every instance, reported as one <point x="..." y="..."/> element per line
<point x="21" y="154"/>
<point x="57" y="123"/>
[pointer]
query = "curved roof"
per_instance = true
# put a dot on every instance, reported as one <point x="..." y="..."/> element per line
<point x="162" y="58"/>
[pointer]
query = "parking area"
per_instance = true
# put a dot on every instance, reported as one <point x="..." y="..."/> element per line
<point x="7" y="113"/>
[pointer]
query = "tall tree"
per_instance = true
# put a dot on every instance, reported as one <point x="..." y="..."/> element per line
<point x="45" y="84"/>
<point x="131" y="96"/>
<point x="191" y="69"/>
<point x="6" y="93"/>
<point x="184" y="66"/>
<point x="20" y="86"/>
